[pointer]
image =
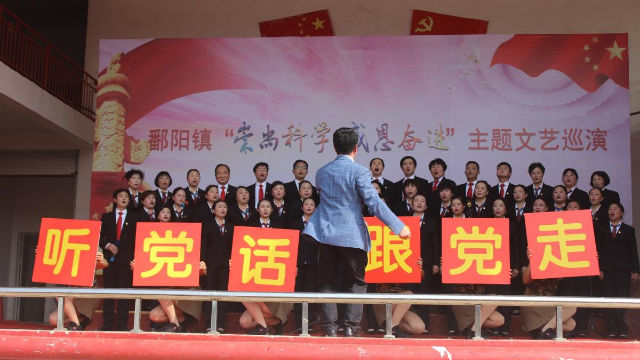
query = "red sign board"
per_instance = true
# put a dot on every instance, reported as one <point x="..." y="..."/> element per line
<point x="562" y="244"/>
<point x="475" y="251"/>
<point x="66" y="252"/>
<point x="392" y="259"/>
<point x="167" y="254"/>
<point x="263" y="259"/>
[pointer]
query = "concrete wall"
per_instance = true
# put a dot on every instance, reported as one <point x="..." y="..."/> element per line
<point x="220" y="18"/>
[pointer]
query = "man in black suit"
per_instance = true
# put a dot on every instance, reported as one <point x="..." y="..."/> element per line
<point x="376" y="165"/>
<point x="538" y="189"/>
<point x="570" y="180"/>
<point x="195" y="195"/>
<point x="226" y="192"/>
<point x="117" y="238"/>
<point x="292" y="188"/>
<point x="468" y="188"/>
<point x="408" y="165"/>
<point x="504" y="188"/>
<point x="134" y="179"/>
<point x="437" y="168"/>
<point x="261" y="189"/>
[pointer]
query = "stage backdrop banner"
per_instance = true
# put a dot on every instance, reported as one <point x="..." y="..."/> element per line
<point x="392" y="259"/>
<point x="66" y="252"/>
<point x="263" y="259"/>
<point x="562" y="244"/>
<point x="475" y="251"/>
<point x="167" y="254"/>
<point x="177" y="104"/>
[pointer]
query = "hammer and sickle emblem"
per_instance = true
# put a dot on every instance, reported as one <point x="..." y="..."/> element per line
<point x="424" y="25"/>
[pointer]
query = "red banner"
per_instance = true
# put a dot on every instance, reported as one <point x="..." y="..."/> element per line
<point x="562" y="244"/>
<point x="263" y="259"/>
<point x="66" y="252"/>
<point x="167" y="254"/>
<point x="475" y="251"/>
<point x="392" y="259"/>
<point x="315" y="23"/>
<point x="431" y="23"/>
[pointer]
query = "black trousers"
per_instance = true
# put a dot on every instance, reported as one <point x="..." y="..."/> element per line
<point x="616" y="284"/>
<point x="354" y="263"/>
<point x="218" y="279"/>
<point x="306" y="281"/>
<point x="116" y="276"/>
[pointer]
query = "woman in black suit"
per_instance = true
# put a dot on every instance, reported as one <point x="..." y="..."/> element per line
<point x="179" y="211"/>
<point x="147" y="210"/>
<point x="280" y="212"/>
<point x="240" y="213"/>
<point x="163" y="195"/>
<point x="618" y="266"/>
<point x="203" y="212"/>
<point x="600" y="179"/>
<point x="559" y="198"/>
<point x="217" y="239"/>
<point x="599" y="210"/>
<point x="480" y="207"/>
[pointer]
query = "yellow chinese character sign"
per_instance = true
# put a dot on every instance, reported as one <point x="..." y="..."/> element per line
<point x="167" y="254"/>
<point x="562" y="244"/>
<point x="392" y="259"/>
<point x="66" y="252"/>
<point x="263" y="259"/>
<point x="475" y="251"/>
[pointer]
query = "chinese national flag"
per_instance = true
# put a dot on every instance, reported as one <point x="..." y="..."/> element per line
<point x="315" y="23"/>
<point x="431" y="23"/>
<point x="66" y="252"/>
<point x="562" y="244"/>
<point x="588" y="59"/>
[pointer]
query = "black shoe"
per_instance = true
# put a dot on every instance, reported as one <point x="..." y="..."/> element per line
<point x="84" y="321"/>
<point x="106" y="327"/>
<point x="73" y="326"/>
<point x="122" y="328"/>
<point x="349" y="332"/>
<point x="612" y="335"/>
<point x="452" y="332"/>
<point x="331" y="333"/>
<point x="259" y="330"/>
<point x="171" y="327"/>
<point x="623" y="335"/>
<point x="547" y="334"/>
<point x="395" y="331"/>
<point x="157" y="326"/>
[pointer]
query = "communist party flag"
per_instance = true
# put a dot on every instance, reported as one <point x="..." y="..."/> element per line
<point x="431" y="23"/>
<point x="588" y="59"/>
<point x="562" y="244"/>
<point x="316" y="23"/>
<point x="66" y="252"/>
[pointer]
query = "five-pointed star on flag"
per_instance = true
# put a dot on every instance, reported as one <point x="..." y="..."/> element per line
<point x="318" y="24"/>
<point x="615" y="51"/>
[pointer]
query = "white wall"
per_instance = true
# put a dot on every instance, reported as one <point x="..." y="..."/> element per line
<point x="119" y="19"/>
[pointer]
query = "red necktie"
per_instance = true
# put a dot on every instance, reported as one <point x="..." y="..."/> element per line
<point x="119" y="225"/>
<point x="443" y="210"/>
<point x="614" y="231"/>
<point x="502" y="191"/>
<point x="435" y="185"/>
<point x="221" y="229"/>
<point x="265" y="225"/>
<point x="537" y="193"/>
<point x="164" y="197"/>
<point x="470" y="191"/>
<point x="260" y="193"/>
<point x="223" y="194"/>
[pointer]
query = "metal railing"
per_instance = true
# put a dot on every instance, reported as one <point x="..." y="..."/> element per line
<point x="30" y="54"/>
<point x="305" y="298"/>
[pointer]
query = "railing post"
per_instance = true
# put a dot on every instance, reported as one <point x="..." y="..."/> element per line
<point x="477" y="325"/>
<point x="305" y="319"/>
<point x="213" y="330"/>
<point x="388" y="321"/>
<point x="559" y="330"/>
<point x="136" y="316"/>
<point x="60" y="321"/>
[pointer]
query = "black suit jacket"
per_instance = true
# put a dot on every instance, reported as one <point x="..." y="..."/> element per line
<point x="484" y="211"/>
<point x="601" y="216"/>
<point x="291" y="192"/>
<point x="508" y="194"/>
<point x="159" y="203"/>
<point x="252" y="194"/>
<point x="216" y="247"/>
<point x="234" y="215"/>
<point x="546" y="193"/>
<point x="387" y="188"/>
<point x="398" y="187"/>
<point x="108" y="234"/>
<point x="202" y="213"/>
<point x="461" y="190"/>
<point x="619" y="253"/>
<point x="610" y="196"/>
<point x="142" y="216"/>
<point x="430" y="242"/>
<point x="185" y="216"/>
<point x="133" y="205"/>
<point x="581" y="197"/>
<point x="433" y="199"/>
<point x="199" y="199"/>
<point x="230" y="194"/>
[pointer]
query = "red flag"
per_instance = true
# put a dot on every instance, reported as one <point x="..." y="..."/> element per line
<point x="588" y="59"/>
<point x="431" y="23"/>
<point x="315" y="23"/>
